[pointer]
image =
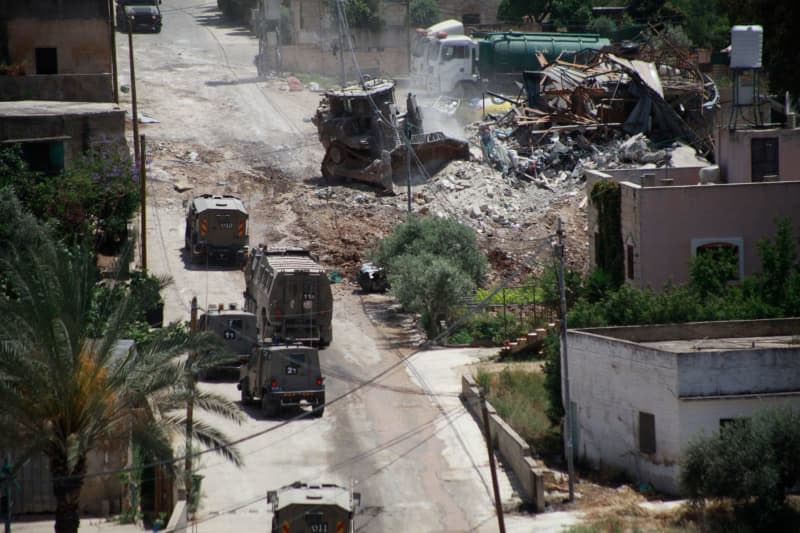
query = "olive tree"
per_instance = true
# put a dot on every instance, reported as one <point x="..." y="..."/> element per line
<point x="432" y="264"/>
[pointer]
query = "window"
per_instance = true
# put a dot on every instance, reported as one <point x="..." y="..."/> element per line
<point x="224" y="222"/>
<point x="453" y="52"/>
<point x="236" y="323"/>
<point x="764" y="158"/>
<point x="629" y="260"/>
<point x="471" y="18"/>
<point x="727" y="250"/>
<point x="726" y="423"/>
<point x="46" y="157"/>
<point x="46" y="61"/>
<point x="647" y="433"/>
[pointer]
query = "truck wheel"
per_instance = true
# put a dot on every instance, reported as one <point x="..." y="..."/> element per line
<point x="467" y="89"/>
<point x="269" y="407"/>
<point x="319" y="408"/>
<point x="246" y="398"/>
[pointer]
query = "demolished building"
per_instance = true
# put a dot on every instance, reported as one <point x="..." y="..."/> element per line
<point x="666" y="103"/>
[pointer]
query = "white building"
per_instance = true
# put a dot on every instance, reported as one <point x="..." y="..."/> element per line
<point x="641" y="393"/>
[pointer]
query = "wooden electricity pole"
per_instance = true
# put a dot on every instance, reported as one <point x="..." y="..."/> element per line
<point x="133" y="93"/>
<point x="559" y="250"/>
<point x="143" y="194"/>
<point x="498" y="505"/>
<point x="190" y="407"/>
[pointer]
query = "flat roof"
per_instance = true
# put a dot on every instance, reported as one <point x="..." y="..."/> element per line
<point x="219" y="202"/>
<point x="324" y="494"/>
<point x="726" y="344"/>
<point x="44" y="108"/>
<point x="724" y="335"/>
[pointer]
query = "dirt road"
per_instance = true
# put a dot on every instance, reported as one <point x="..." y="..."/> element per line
<point x="404" y="438"/>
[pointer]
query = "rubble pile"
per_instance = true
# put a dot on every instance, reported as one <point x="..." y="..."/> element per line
<point x="663" y="101"/>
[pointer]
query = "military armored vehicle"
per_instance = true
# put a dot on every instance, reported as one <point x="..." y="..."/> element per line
<point x="237" y="329"/>
<point x="289" y="292"/>
<point x="283" y="375"/>
<point x="216" y="228"/>
<point x="324" y="508"/>
<point x="366" y="138"/>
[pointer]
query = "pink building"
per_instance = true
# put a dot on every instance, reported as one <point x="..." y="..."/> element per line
<point x="665" y="219"/>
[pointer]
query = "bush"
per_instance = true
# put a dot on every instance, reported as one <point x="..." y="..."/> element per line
<point x="429" y="285"/>
<point x="747" y="459"/>
<point x="438" y="237"/>
<point x="424" y="13"/>
<point x="432" y="264"/>
<point x="363" y="14"/>
<point x="97" y="195"/>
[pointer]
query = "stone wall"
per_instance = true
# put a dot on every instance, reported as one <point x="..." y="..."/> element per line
<point x="511" y="447"/>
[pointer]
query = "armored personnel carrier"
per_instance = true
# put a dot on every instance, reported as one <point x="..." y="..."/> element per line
<point x="367" y="139"/>
<point x="290" y="294"/>
<point x="216" y="227"/>
<point x="324" y="508"/>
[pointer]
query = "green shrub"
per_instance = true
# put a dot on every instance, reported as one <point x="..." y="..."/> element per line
<point x="749" y="460"/>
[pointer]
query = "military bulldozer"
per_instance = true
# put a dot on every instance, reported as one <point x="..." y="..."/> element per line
<point x="367" y="139"/>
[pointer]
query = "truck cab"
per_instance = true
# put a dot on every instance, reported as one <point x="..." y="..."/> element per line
<point x="284" y="375"/>
<point x="425" y="38"/>
<point x="451" y="63"/>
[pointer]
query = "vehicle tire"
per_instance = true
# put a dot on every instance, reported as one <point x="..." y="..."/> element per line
<point x="337" y="153"/>
<point x="317" y="413"/>
<point x="246" y="398"/>
<point x="466" y="89"/>
<point x="269" y="407"/>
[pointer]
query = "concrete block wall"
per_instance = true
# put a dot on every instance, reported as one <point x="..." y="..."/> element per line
<point x="611" y="382"/>
<point x="511" y="447"/>
<point x="59" y="87"/>
<point x="311" y="58"/>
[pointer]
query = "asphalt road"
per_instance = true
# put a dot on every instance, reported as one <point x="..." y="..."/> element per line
<point x="403" y="440"/>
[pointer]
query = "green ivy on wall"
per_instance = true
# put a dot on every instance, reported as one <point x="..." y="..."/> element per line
<point x="606" y="198"/>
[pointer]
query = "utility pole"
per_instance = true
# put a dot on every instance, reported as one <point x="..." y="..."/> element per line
<point x="559" y="250"/>
<point x="113" y="36"/>
<point x="498" y="505"/>
<point x="143" y="194"/>
<point x="340" y="18"/>
<point x="133" y="93"/>
<point x="408" y="34"/>
<point x="408" y="169"/>
<point x="190" y="406"/>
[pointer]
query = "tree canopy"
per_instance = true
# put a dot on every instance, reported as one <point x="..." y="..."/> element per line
<point x="424" y="13"/>
<point x="781" y="53"/>
<point x="431" y="264"/>
<point x="67" y="382"/>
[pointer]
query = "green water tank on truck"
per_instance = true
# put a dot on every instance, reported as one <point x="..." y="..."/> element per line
<point x="465" y="66"/>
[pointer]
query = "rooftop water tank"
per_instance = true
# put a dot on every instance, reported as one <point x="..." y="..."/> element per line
<point x="746" y="46"/>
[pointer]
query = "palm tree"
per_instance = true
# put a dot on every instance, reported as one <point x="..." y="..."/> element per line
<point x="63" y="388"/>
